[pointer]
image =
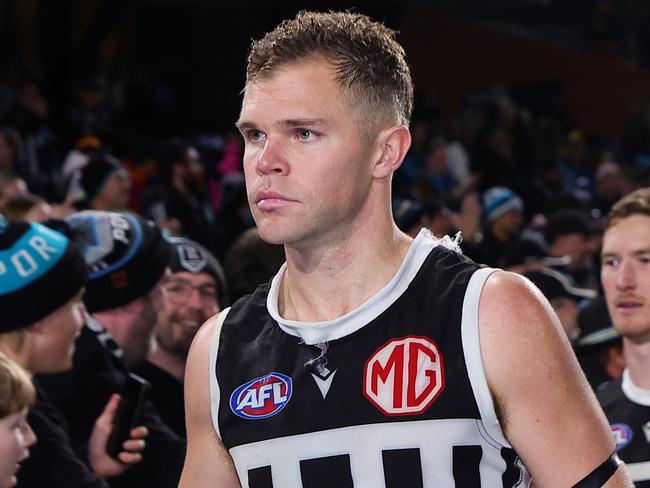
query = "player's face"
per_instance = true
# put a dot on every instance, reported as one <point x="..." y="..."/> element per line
<point x="189" y="300"/>
<point x="59" y="331"/>
<point x="626" y="276"/>
<point x="307" y="167"/>
<point x="15" y="438"/>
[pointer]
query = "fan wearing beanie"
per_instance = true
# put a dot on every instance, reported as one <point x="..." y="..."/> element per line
<point x="502" y="222"/>
<point x="127" y="260"/>
<point x="42" y="276"/>
<point x="105" y="184"/>
<point x="195" y="291"/>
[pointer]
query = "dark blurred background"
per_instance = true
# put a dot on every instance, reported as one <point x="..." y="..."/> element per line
<point x="174" y="67"/>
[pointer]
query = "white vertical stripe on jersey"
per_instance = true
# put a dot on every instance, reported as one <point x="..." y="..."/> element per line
<point x="490" y="425"/>
<point x="214" y="385"/>
<point x="473" y="358"/>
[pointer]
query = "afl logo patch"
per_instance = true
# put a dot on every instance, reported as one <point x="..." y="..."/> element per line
<point x="404" y="376"/>
<point x="622" y="435"/>
<point x="262" y="397"/>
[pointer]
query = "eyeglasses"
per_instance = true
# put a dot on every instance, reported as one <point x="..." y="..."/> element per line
<point x="180" y="291"/>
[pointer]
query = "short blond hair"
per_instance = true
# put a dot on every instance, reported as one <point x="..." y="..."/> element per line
<point x="634" y="203"/>
<point x="16" y="388"/>
<point x="370" y="64"/>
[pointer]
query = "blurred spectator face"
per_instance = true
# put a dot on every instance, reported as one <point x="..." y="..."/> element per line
<point x="188" y="301"/>
<point x="137" y="340"/>
<point x="90" y="99"/>
<point x="509" y="223"/>
<point x="116" y="191"/>
<point x="441" y="224"/>
<point x="611" y="184"/>
<point x="11" y="188"/>
<point x="55" y="336"/>
<point x="625" y="276"/>
<point x="15" y="438"/>
<point x="437" y="160"/>
<point x="575" y="245"/>
<point x="40" y="212"/>
<point x="567" y="311"/>
<point x="7" y="155"/>
<point x="193" y="175"/>
<point x="32" y="101"/>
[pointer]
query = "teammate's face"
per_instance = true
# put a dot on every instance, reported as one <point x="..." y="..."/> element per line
<point x="307" y="167"/>
<point x="189" y="300"/>
<point x="58" y="332"/>
<point x="626" y="276"/>
<point x="15" y="438"/>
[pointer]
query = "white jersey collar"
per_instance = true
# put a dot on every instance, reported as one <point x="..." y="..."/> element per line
<point x="319" y="332"/>
<point x="633" y="392"/>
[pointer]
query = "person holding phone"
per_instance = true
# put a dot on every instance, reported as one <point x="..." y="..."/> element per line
<point x="127" y="260"/>
<point x="42" y="278"/>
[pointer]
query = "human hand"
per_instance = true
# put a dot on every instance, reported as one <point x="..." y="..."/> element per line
<point x="104" y="465"/>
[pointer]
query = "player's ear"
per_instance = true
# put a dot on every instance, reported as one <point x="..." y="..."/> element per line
<point x="394" y="143"/>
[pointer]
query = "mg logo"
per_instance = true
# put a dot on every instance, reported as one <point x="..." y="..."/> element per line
<point x="404" y="376"/>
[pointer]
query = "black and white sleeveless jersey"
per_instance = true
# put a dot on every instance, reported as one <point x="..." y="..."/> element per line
<point x="392" y="394"/>
<point x="628" y="410"/>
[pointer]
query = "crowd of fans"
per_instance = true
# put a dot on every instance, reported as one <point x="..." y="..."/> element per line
<point x="526" y="194"/>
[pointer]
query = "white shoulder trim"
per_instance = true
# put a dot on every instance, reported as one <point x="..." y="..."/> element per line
<point x="215" y="392"/>
<point x="634" y="393"/>
<point x="639" y="471"/>
<point x="318" y="332"/>
<point x="473" y="358"/>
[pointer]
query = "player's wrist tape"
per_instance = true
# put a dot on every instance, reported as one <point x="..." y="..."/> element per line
<point x="599" y="476"/>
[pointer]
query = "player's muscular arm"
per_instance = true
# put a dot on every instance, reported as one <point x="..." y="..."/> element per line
<point x="546" y="408"/>
<point x="207" y="462"/>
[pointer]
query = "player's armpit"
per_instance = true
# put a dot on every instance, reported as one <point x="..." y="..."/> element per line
<point x="207" y="462"/>
<point x="547" y="410"/>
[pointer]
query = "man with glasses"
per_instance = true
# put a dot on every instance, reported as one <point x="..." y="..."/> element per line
<point x="194" y="292"/>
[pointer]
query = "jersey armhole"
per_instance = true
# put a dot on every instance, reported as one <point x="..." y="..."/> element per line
<point x="473" y="359"/>
<point x="215" y="393"/>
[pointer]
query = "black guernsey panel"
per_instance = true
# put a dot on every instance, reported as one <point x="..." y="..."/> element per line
<point x="630" y="425"/>
<point x="398" y="407"/>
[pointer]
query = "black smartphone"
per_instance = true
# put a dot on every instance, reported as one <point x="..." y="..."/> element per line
<point x="134" y="394"/>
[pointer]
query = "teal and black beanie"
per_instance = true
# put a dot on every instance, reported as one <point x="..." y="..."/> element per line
<point x="126" y="256"/>
<point x="40" y="271"/>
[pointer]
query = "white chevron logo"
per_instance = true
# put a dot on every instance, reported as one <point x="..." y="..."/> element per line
<point x="324" y="384"/>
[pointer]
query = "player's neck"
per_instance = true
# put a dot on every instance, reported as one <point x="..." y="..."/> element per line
<point x="171" y="363"/>
<point x="637" y="357"/>
<point x="326" y="283"/>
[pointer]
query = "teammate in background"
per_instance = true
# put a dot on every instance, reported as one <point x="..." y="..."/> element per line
<point x="360" y="365"/>
<point x="42" y="276"/>
<point x="625" y="277"/>
<point x="16" y="436"/>
<point x="194" y="291"/>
